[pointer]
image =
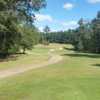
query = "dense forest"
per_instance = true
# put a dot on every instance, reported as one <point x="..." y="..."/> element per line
<point x="17" y="31"/>
<point x="84" y="38"/>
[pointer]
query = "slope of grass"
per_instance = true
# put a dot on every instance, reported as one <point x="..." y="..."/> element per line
<point x="77" y="77"/>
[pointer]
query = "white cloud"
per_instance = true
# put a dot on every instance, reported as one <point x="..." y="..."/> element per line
<point x="70" y="25"/>
<point x="41" y="29"/>
<point x="94" y="1"/>
<point x="61" y="26"/>
<point x="41" y="17"/>
<point x="68" y="6"/>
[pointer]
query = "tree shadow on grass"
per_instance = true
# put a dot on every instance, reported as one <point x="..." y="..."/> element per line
<point x="97" y="65"/>
<point x="11" y="57"/>
<point x="86" y="55"/>
<point x="69" y="49"/>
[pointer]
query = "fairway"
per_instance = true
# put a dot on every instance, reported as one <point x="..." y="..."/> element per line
<point x="76" y="77"/>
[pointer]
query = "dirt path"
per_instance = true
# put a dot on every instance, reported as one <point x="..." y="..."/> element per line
<point x="14" y="71"/>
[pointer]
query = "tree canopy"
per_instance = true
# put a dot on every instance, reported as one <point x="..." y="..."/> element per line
<point x="14" y="16"/>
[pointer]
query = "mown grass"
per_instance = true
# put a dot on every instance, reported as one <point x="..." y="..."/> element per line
<point x="74" y="78"/>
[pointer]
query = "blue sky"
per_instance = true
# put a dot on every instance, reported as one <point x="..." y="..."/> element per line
<point x="64" y="14"/>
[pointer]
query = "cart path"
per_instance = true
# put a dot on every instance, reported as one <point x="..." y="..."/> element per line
<point x="14" y="71"/>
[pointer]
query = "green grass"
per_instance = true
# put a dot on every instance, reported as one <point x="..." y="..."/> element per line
<point x="77" y="77"/>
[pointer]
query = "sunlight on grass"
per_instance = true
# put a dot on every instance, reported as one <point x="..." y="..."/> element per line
<point x="74" y="78"/>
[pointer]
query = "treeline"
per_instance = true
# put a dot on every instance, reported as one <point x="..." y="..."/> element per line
<point x="17" y="32"/>
<point x="85" y="38"/>
<point x="58" y="37"/>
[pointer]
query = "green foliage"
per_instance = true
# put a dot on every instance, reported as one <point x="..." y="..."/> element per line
<point x="29" y="37"/>
<point x="44" y="36"/>
<point x="13" y="14"/>
<point x="88" y="36"/>
<point x="58" y="37"/>
<point x="96" y="34"/>
<point x="46" y="29"/>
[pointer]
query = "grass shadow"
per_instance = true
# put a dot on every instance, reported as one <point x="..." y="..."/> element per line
<point x="11" y="57"/>
<point x="87" y="55"/>
<point x="97" y="65"/>
<point x="80" y="54"/>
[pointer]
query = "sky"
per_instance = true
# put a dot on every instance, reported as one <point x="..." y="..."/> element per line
<point x="61" y="15"/>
